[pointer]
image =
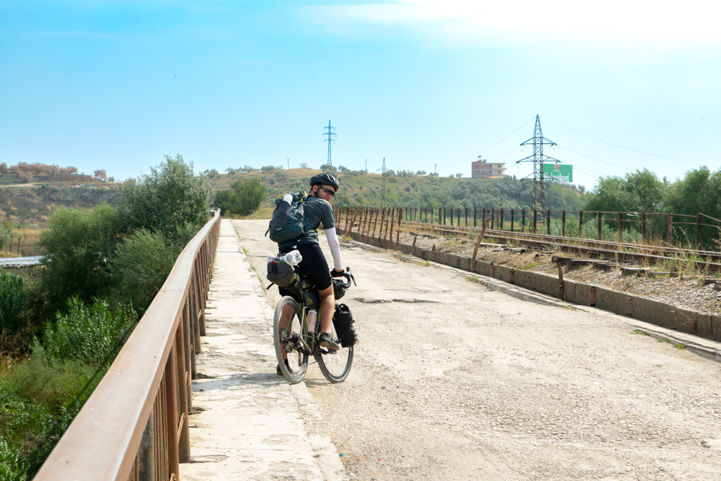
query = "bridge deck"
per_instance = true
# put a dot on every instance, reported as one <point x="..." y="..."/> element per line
<point x="248" y="422"/>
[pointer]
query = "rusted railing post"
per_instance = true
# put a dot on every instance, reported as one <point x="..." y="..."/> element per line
<point x="669" y="234"/>
<point x="599" y="222"/>
<point x="563" y="223"/>
<point x="698" y="231"/>
<point x="580" y="224"/>
<point x="500" y="219"/>
<point x="644" y="239"/>
<point x="620" y="228"/>
<point x="523" y="220"/>
<point x="398" y="230"/>
<point x="512" y="219"/>
<point x="548" y="221"/>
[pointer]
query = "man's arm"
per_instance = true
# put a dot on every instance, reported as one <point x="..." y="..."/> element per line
<point x="334" y="248"/>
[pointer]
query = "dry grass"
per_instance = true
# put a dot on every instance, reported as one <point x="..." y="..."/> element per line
<point x="23" y="242"/>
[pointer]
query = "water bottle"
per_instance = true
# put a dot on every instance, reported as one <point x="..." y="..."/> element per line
<point x="293" y="257"/>
<point x="312" y="316"/>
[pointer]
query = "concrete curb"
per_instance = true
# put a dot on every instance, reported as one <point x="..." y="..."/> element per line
<point x="696" y="330"/>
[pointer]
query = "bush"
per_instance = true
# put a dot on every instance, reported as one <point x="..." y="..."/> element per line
<point x="78" y="244"/>
<point x="29" y="429"/>
<point x="140" y="266"/>
<point x="167" y="199"/>
<point x="57" y="384"/>
<point x="13" y="301"/>
<point x="243" y="197"/>
<point x="90" y="334"/>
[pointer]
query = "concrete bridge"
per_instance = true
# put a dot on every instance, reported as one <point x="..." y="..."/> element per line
<point x="452" y="380"/>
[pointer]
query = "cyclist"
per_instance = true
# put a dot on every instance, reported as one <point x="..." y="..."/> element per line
<point x="317" y="211"/>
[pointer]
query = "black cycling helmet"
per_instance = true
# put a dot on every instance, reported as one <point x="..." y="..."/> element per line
<point x="325" y="179"/>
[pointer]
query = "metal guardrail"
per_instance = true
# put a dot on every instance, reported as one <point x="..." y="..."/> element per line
<point x="135" y="424"/>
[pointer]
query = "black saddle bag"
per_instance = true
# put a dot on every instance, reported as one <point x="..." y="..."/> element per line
<point x="281" y="273"/>
<point x="343" y="323"/>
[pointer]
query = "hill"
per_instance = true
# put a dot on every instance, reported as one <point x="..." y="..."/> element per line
<point x="30" y="192"/>
<point x="404" y="189"/>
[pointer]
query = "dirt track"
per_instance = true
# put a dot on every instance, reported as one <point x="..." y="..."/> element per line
<point x="452" y="381"/>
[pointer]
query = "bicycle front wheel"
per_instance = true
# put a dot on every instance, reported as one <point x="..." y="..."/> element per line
<point x="335" y="365"/>
<point x="287" y="340"/>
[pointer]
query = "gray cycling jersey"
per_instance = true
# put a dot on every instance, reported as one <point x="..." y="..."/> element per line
<point x="316" y="211"/>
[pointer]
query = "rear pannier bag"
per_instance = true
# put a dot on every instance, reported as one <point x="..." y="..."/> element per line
<point x="281" y="273"/>
<point x="343" y="323"/>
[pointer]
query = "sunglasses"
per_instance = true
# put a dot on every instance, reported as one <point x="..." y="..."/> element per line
<point x="328" y="191"/>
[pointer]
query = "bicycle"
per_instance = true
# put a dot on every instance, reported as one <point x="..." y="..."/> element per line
<point x="297" y="343"/>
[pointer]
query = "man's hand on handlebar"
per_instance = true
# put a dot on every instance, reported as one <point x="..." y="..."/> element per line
<point x="336" y="273"/>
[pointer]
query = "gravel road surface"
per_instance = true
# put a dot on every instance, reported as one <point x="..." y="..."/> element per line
<point x="452" y="381"/>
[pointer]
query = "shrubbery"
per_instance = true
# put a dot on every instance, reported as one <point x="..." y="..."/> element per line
<point x="13" y="302"/>
<point x="89" y="334"/>
<point x="140" y="265"/>
<point x="243" y="197"/>
<point x="120" y="255"/>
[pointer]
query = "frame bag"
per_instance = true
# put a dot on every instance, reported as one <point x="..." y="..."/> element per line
<point x="343" y="323"/>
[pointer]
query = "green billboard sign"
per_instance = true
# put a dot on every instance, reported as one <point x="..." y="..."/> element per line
<point x="558" y="173"/>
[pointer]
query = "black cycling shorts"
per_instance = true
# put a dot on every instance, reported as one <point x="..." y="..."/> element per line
<point x="313" y="266"/>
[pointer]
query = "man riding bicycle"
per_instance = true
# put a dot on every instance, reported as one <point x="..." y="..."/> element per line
<point x="317" y="211"/>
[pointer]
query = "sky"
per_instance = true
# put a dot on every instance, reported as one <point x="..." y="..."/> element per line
<point x="427" y="85"/>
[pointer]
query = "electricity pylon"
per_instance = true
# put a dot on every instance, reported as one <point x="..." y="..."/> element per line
<point x="329" y="134"/>
<point x="538" y="202"/>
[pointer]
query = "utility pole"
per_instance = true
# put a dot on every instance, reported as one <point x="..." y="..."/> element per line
<point x="538" y="201"/>
<point x="329" y="134"/>
<point x="435" y="169"/>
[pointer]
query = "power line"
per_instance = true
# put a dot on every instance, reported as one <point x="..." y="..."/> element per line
<point x="630" y="149"/>
<point x="509" y="135"/>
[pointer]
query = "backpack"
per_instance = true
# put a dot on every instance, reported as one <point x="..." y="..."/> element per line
<point x="343" y="323"/>
<point x="286" y="224"/>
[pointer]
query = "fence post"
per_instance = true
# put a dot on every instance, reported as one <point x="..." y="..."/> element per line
<point x="563" y="223"/>
<point x="398" y="230"/>
<point x="698" y="232"/>
<point x="548" y="221"/>
<point x="599" y="224"/>
<point x="512" y="216"/>
<point x="535" y="220"/>
<point x="620" y="228"/>
<point x="643" y="228"/>
<point x="580" y="224"/>
<point x="669" y="234"/>
<point x="451" y="216"/>
<point x="500" y="219"/>
<point x="466" y="216"/>
<point x="523" y="220"/>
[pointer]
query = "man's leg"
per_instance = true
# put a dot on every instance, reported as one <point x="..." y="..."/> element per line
<point x="285" y="316"/>
<point x="327" y="306"/>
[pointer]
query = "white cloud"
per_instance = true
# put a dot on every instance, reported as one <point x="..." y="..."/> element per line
<point x="613" y="22"/>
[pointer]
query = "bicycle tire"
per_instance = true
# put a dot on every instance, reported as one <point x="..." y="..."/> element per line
<point x="335" y="365"/>
<point x="288" y="340"/>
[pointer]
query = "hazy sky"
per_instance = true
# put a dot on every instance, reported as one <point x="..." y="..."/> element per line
<point x="116" y="85"/>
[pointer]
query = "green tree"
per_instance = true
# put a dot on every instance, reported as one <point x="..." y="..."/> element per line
<point x="139" y="266"/>
<point x="243" y="197"/>
<point x="640" y="191"/>
<point x="77" y="245"/>
<point x="167" y="200"/>
<point x="698" y="192"/>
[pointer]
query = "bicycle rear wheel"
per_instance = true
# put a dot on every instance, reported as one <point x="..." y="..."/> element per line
<point x="287" y="340"/>
<point x="335" y="365"/>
